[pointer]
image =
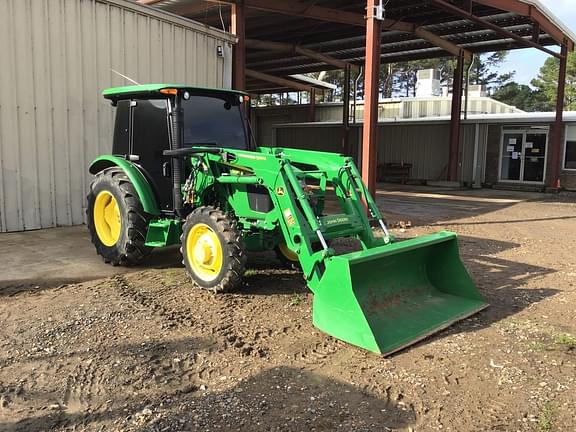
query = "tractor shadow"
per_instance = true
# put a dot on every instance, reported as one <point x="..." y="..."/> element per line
<point x="266" y="275"/>
<point x="281" y="398"/>
<point x="431" y="206"/>
<point x="508" y="286"/>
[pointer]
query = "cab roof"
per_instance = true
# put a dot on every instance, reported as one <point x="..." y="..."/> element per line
<point x="147" y="90"/>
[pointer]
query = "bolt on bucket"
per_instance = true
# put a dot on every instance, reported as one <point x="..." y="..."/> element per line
<point x="387" y="298"/>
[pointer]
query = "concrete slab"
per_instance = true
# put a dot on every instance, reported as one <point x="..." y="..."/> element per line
<point x="435" y="205"/>
<point x="52" y="257"/>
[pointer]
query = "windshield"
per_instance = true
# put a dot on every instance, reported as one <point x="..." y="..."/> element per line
<point x="214" y="120"/>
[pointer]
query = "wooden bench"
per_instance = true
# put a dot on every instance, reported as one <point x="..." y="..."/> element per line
<point x="394" y="171"/>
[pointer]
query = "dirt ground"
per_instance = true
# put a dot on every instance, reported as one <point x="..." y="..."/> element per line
<point x="145" y="351"/>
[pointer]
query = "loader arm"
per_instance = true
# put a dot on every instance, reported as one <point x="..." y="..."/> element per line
<point x="383" y="297"/>
<point x="280" y="172"/>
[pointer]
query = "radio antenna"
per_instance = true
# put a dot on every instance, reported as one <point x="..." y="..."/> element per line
<point x="125" y="77"/>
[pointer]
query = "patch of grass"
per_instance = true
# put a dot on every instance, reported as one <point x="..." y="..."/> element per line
<point x="539" y="346"/>
<point x="250" y="273"/>
<point x="566" y="340"/>
<point x="547" y="416"/>
<point x="296" y="299"/>
<point x="172" y="276"/>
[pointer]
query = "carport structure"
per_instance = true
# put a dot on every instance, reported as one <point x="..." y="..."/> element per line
<point x="279" y="38"/>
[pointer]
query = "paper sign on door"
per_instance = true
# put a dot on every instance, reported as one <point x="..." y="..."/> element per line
<point x="510" y="149"/>
<point x="529" y="145"/>
<point x="515" y="155"/>
<point x="512" y="141"/>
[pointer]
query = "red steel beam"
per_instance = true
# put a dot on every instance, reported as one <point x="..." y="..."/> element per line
<point x="533" y="12"/>
<point x="558" y="123"/>
<point x="238" y="28"/>
<point x="457" y="87"/>
<point x="195" y="8"/>
<point x="343" y="17"/>
<point x="296" y="49"/>
<point x="371" y="93"/>
<point x="298" y="9"/>
<point x="149" y="2"/>
<point x="482" y="22"/>
<point x="282" y="82"/>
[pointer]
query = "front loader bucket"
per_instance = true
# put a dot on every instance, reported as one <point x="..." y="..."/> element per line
<point x="387" y="298"/>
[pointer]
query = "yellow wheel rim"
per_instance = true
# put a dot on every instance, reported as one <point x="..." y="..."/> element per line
<point x="204" y="252"/>
<point x="288" y="253"/>
<point x="107" y="218"/>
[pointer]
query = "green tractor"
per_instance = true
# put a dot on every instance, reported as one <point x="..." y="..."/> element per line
<point x="184" y="170"/>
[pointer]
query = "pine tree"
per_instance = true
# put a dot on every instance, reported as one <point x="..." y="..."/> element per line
<point x="547" y="81"/>
<point x="523" y="97"/>
<point x="484" y="71"/>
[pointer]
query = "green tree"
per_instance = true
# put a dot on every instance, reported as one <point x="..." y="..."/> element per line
<point x="523" y="97"/>
<point x="547" y="81"/>
<point x="484" y="71"/>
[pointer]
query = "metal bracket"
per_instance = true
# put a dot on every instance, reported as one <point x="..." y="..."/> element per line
<point x="380" y="11"/>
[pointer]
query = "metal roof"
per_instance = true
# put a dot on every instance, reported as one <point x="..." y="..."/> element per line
<point x="528" y="19"/>
<point x="509" y="118"/>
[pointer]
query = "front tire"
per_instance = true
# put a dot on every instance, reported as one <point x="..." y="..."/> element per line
<point x="116" y="220"/>
<point x="212" y="250"/>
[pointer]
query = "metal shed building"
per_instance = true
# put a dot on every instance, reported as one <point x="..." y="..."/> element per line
<point x="496" y="150"/>
<point x="57" y="56"/>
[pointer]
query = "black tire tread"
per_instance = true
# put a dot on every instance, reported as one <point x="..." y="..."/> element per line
<point x="233" y="247"/>
<point x="132" y="249"/>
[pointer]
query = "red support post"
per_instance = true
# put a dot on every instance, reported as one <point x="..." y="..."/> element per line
<point x="371" y="93"/>
<point x="558" y="123"/>
<point x="457" y="88"/>
<point x="312" y="110"/>
<point x="346" y="113"/>
<point x="238" y="28"/>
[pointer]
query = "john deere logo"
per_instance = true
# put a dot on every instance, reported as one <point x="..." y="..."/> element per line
<point x="280" y="191"/>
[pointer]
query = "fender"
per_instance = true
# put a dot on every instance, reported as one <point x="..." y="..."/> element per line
<point x="138" y="180"/>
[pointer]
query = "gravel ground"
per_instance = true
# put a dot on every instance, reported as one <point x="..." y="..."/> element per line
<point x="146" y="351"/>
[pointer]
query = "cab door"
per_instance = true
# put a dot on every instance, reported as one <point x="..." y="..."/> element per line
<point x="150" y="137"/>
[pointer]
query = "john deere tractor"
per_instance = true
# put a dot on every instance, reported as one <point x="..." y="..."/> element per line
<point x="183" y="170"/>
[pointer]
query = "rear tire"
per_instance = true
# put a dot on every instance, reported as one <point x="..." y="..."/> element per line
<point x="212" y="250"/>
<point x="287" y="257"/>
<point x="116" y="220"/>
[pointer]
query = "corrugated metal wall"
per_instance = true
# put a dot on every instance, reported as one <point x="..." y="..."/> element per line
<point x="57" y="56"/>
<point x="326" y="138"/>
<point x="424" y="145"/>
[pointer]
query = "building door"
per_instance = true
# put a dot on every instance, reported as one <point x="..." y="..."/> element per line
<point x="523" y="156"/>
<point x="535" y="157"/>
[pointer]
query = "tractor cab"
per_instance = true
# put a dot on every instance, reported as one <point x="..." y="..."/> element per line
<point x="149" y="119"/>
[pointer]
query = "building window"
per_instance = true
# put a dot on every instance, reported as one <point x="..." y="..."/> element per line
<point x="570" y="148"/>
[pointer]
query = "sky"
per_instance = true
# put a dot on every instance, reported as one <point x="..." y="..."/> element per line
<point x="527" y="62"/>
